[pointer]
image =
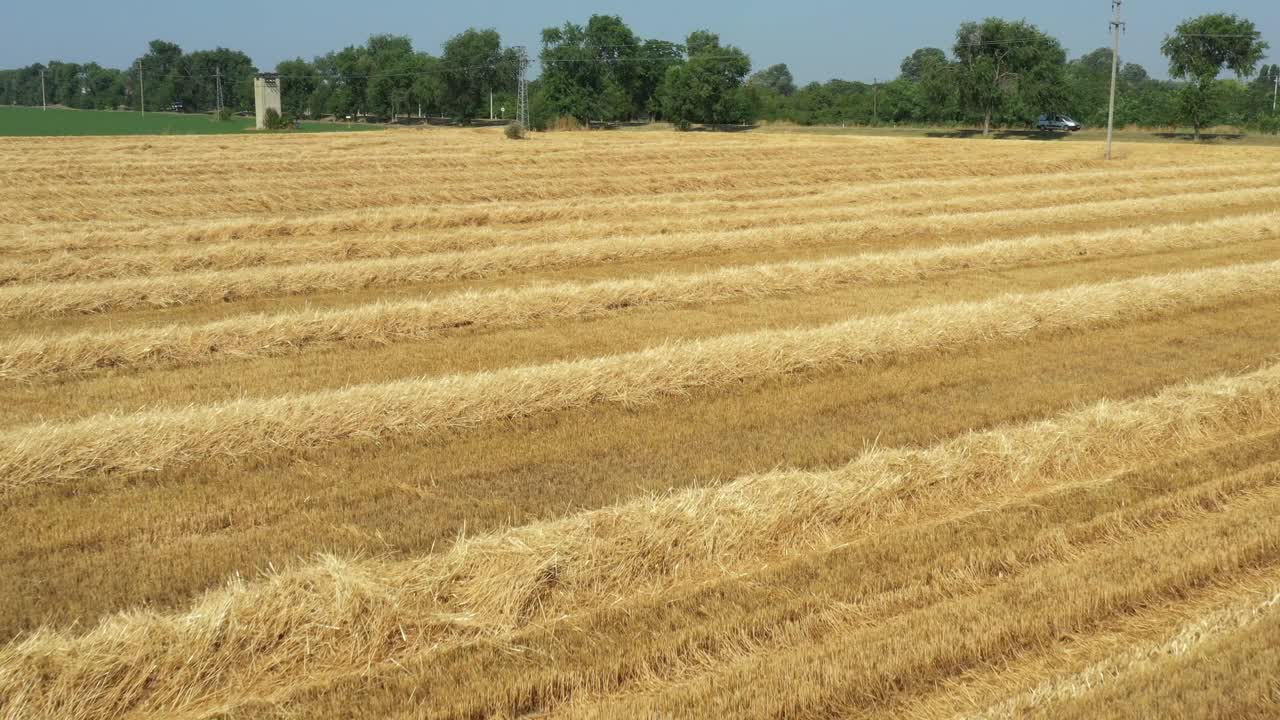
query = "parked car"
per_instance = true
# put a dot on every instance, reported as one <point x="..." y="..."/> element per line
<point x="1053" y="122"/>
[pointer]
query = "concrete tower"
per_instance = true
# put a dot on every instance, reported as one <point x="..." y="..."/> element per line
<point x="266" y="95"/>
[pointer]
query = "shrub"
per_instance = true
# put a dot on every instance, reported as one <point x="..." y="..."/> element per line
<point x="276" y="121"/>
<point x="515" y="131"/>
<point x="225" y="115"/>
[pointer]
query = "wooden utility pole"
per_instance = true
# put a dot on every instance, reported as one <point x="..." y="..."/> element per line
<point x="142" y="91"/>
<point x="1115" y="69"/>
<point x="44" y="103"/>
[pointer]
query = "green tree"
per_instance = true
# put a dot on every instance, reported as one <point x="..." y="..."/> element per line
<point x="775" y="78"/>
<point x="1133" y="74"/>
<point x="1008" y="66"/>
<point x="352" y="67"/>
<point x="915" y="65"/>
<point x="298" y="83"/>
<point x="617" y="50"/>
<point x="573" y="79"/>
<point x="471" y="66"/>
<point x="709" y="86"/>
<point x="655" y="58"/>
<point x="940" y="92"/>
<point x="427" y="90"/>
<point x="597" y="71"/>
<point x="1088" y="86"/>
<point x="200" y="89"/>
<point x="1201" y="48"/>
<point x="391" y="66"/>
<point x="929" y="91"/>
<point x="159" y="74"/>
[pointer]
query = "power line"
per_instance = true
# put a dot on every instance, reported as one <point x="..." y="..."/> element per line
<point x="1253" y="36"/>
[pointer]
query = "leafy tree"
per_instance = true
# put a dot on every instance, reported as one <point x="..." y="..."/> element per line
<point x="199" y="90"/>
<point x="471" y="66"/>
<point x="1201" y="48"/>
<point x="1003" y="62"/>
<point x="929" y="90"/>
<point x="1133" y="74"/>
<point x="160" y="74"/>
<point x="939" y="92"/>
<point x="708" y="87"/>
<point x="1087" y="86"/>
<point x="1096" y="63"/>
<point x="915" y="65"/>
<point x="601" y="71"/>
<point x="352" y="68"/>
<point x="617" y="50"/>
<point x="391" y="62"/>
<point x="573" y="81"/>
<point x="298" y="83"/>
<point x="776" y="78"/>
<point x="427" y="90"/>
<point x="654" y="59"/>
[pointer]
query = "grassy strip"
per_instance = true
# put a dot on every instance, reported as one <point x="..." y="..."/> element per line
<point x="60" y="122"/>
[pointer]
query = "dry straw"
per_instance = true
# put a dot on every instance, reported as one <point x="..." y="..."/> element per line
<point x="161" y="291"/>
<point x="336" y="616"/>
<point x="290" y="333"/>
<point x="165" y="439"/>
<point x="222" y="245"/>
<point x="128" y="201"/>
<point x="690" y="207"/>
<point x="1240" y="615"/>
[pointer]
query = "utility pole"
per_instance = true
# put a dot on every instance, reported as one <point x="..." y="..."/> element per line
<point x="142" y="90"/>
<point x="1116" y="25"/>
<point x="219" y="76"/>
<point x="44" y="103"/>
<point x="490" y="104"/>
<point x="1275" y="73"/>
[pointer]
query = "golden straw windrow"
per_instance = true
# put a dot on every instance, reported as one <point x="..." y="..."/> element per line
<point x="154" y="440"/>
<point x="1240" y="616"/>
<point x="163" y="291"/>
<point x="648" y="207"/>
<point x="273" y="335"/>
<point x="429" y="423"/>
<point x="240" y="254"/>
<point x="334" y="615"/>
<point x="601" y="183"/>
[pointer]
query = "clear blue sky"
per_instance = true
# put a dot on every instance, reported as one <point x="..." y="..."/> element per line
<point x="818" y="39"/>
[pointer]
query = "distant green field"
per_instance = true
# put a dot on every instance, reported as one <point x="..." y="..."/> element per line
<point x="30" y="121"/>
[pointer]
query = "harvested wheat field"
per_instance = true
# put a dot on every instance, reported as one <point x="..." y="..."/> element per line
<point x="432" y="424"/>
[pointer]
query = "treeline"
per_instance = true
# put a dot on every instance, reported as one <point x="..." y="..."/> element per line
<point x="170" y="75"/>
<point x="935" y="99"/>
<point x="998" y="73"/>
